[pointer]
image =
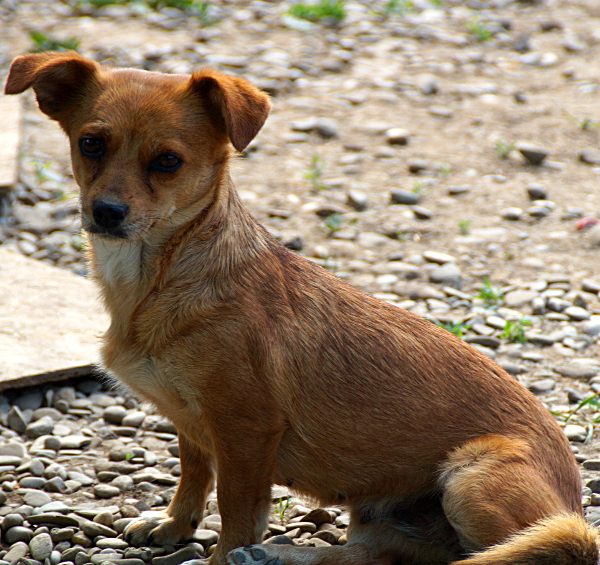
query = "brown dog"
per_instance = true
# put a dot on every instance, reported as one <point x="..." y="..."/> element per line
<point x="273" y="369"/>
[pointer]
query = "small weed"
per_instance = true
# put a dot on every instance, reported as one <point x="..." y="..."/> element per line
<point x="456" y="328"/>
<point x="503" y="149"/>
<point x="324" y="9"/>
<point x="128" y="456"/>
<point x="397" y="8"/>
<point x="101" y="3"/>
<point x="582" y="418"/>
<point x="444" y="169"/>
<point x="315" y="172"/>
<point x="479" y="30"/>
<point x="190" y="7"/>
<point x="419" y="188"/>
<point x="334" y="223"/>
<point x="282" y="508"/>
<point x="490" y="295"/>
<point x="43" y="42"/>
<point x="585" y="124"/>
<point x="464" y="226"/>
<point x="515" y="331"/>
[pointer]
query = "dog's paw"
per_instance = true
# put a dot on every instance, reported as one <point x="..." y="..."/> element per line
<point x="253" y="555"/>
<point x="156" y="528"/>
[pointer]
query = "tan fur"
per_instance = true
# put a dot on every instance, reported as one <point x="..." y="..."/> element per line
<point x="276" y="371"/>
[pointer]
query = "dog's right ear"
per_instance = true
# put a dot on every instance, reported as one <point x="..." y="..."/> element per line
<point x="58" y="79"/>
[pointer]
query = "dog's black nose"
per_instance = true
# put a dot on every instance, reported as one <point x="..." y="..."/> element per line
<point x="109" y="214"/>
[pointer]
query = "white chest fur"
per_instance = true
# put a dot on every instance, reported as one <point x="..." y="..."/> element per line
<point x="118" y="261"/>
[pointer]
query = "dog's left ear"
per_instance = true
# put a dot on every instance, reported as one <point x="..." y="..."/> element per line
<point x="235" y="104"/>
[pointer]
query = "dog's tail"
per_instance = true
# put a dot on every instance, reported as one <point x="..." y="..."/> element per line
<point x="563" y="539"/>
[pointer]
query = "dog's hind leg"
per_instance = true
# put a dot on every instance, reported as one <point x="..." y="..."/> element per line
<point x="378" y="541"/>
<point x="183" y="515"/>
<point x="491" y="490"/>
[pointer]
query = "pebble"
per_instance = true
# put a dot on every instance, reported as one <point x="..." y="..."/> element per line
<point x="534" y="154"/>
<point x="36" y="498"/>
<point x="397" y="136"/>
<point x="176" y="558"/>
<point x="41" y="546"/>
<point x="590" y="156"/>
<point x="401" y="196"/>
<point x="18" y="533"/>
<point x="575" y="432"/>
<point x="106" y="491"/>
<point x="578" y="371"/>
<point x="448" y="274"/>
<point x="512" y="214"/>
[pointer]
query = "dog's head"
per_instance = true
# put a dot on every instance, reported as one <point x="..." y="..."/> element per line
<point x="146" y="147"/>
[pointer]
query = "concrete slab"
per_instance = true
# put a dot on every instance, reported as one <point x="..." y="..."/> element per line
<point x="10" y="138"/>
<point x="51" y="321"/>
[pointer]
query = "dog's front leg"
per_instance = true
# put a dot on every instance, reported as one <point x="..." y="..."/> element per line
<point x="245" y="473"/>
<point x="183" y="515"/>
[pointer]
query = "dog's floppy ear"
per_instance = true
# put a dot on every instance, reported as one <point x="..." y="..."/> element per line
<point x="234" y="103"/>
<point x="58" y="79"/>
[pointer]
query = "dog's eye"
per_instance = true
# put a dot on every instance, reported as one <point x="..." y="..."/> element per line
<point x="166" y="163"/>
<point x="92" y="146"/>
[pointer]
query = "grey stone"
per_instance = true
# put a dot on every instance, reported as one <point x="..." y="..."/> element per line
<point x="14" y="449"/>
<point x="12" y="520"/>
<point x="536" y="192"/>
<point x="55" y="470"/>
<point x="512" y="214"/>
<point x="448" y="274"/>
<point x="56" y="506"/>
<point x="358" y="200"/>
<point x="519" y="298"/>
<point x="17" y="551"/>
<point x="54" y="519"/>
<point x="75" y="442"/>
<point x="577" y="313"/>
<point x="52" y="442"/>
<point x="10" y="460"/>
<point x="92" y="529"/>
<point x="29" y="401"/>
<point x="590" y="156"/>
<point x="36" y="498"/>
<point x="106" y="491"/>
<point x="134" y="419"/>
<point x="205" y="537"/>
<point x="542" y="386"/>
<point x="32" y="482"/>
<point x="41" y="546"/>
<point x="422" y="213"/>
<point x="18" y="533"/>
<point x="184" y="554"/>
<point x="124" y="483"/>
<point x="577" y="371"/>
<point x="81" y="478"/>
<point x="113" y="543"/>
<point x="575" y="432"/>
<point x="415" y="165"/>
<point x="438" y="257"/>
<point x="41" y="427"/>
<point x="319" y="516"/>
<point x="56" y="484"/>
<point x="15" y="420"/>
<point x="534" y="154"/>
<point x="397" y="136"/>
<point x="114" y="414"/>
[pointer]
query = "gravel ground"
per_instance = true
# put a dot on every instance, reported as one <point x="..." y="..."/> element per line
<point x="444" y="159"/>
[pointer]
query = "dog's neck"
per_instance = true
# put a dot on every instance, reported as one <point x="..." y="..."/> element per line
<point x="212" y="240"/>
